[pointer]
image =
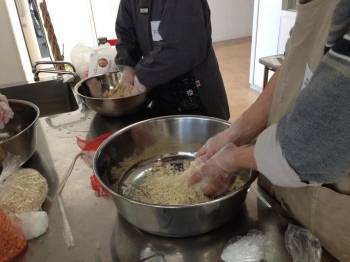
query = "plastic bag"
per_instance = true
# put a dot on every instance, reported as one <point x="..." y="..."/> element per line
<point x="248" y="248"/>
<point x="88" y="151"/>
<point x="302" y="244"/>
<point x="5" y="111"/>
<point x="30" y="225"/>
<point x="12" y="242"/>
<point x="10" y="165"/>
<point x="81" y="56"/>
<point x="67" y="231"/>
<point x="23" y="191"/>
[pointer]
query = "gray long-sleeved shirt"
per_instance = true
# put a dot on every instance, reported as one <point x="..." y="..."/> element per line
<point x="312" y="142"/>
<point x="315" y="136"/>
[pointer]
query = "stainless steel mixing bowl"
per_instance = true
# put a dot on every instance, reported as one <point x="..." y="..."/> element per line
<point x="19" y="135"/>
<point x="127" y="154"/>
<point x="92" y="88"/>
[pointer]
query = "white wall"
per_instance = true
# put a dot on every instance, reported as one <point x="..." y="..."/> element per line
<point x="11" y="69"/>
<point x="85" y="20"/>
<point x="231" y="19"/>
<point x="72" y="22"/>
<point x="105" y="14"/>
<point x="270" y="33"/>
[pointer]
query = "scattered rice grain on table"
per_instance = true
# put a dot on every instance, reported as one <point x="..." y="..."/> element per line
<point x="168" y="185"/>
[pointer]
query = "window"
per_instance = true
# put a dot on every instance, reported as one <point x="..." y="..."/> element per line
<point x="73" y="22"/>
<point x="33" y="31"/>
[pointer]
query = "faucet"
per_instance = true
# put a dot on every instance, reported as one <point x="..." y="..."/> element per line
<point x="52" y="63"/>
<point x="62" y="72"/>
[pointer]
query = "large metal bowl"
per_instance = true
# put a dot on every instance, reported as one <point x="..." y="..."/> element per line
<point x="92" y="88"/>
<point x="170" y="139"/>
<point x="19" y="135"/>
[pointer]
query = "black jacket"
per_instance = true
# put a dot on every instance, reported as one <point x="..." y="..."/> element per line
<point x="186" y="47"/>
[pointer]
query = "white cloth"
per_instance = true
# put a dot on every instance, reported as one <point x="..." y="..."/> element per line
<point x="272" y="164"/>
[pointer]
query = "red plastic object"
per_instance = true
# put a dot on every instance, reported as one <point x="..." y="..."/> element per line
<point x="97" y="187"/>
<point x="93" y="144"/>
<point x="94" y="183"/>
<point x="112" y="42"/>
<point x="89" y="147"/>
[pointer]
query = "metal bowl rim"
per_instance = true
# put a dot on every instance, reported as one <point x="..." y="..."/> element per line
<point x="31" y="124"/>
<point x="246" y="186"/>
<point x="76" y="87"/>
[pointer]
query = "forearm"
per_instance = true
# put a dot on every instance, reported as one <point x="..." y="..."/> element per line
<point x="247" y="127"/>
<point x="244" y="157"/>
<point x="128" y="48"/>
<point x="254" y="120"/>
<point x="267" y="158"/>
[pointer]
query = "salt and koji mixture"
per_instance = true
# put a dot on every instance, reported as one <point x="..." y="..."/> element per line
<point x="166" y="184"/>
<point x="118" y="92"/>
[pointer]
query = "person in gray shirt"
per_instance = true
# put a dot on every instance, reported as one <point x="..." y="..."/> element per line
<point x="302" y="122"/>
<point x="167" y="45"/>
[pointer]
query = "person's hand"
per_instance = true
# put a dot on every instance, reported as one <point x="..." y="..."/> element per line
<point x="127" y="78"/>
<point x="138" y="87"/>
<point x="239" y="133"/>
<point x="213" y="145"/>
<point x="218" y="173"/>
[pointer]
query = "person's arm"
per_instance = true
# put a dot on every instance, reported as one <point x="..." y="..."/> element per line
<point x="266" y="156"/>
<point x="246" y="128"/>
<point x="256" y="116"/>
<point x="307" y="147"/>
<point x="128" y="48"/>
<point x="184" y="45"/>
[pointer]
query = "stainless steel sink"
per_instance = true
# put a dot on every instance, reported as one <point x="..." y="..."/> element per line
<point x="51" y="96"/>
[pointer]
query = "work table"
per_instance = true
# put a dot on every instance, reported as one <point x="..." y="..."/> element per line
<point x="99" y="232"/>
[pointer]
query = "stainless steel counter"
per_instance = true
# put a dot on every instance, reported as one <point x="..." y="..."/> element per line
<point x="101" y="234"/>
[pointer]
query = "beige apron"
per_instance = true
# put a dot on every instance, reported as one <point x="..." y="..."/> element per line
<point x="323" y="211"/>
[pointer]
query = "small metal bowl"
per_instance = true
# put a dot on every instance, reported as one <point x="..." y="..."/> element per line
<point x="18" y="137"/>
<point x="170" y="139"/>
<point x="92" y="88"/>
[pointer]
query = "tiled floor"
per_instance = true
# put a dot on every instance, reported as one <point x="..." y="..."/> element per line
<point x="234" y="62"/>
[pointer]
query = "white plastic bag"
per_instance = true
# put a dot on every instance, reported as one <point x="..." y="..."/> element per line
<point x="22" y="192"/>
<point x="249" y="248"/>
<point x="81" y="56"/>
<point x="10" y="165"/>
<point x="302" y="244"/>
<point x="30" y="225"/>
